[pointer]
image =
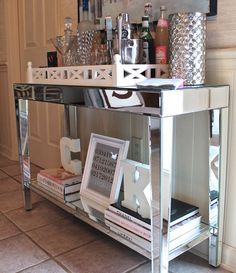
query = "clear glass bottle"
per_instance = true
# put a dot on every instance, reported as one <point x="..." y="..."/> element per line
<point x="85" y="24"/>
<point x="109" y="39"/>
<point x="148" y="43"/>
<point x="126" y="27"/>
<point x="161" y="38"/>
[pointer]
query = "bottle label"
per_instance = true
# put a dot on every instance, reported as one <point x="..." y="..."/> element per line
<point x="161" y="54"/>
<point x="162" y="22"/>
<point x="85" y="5"/>
<point x="143" y="34"/>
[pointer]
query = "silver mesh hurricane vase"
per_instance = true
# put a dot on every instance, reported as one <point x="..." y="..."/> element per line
<point x="187" y="47"/>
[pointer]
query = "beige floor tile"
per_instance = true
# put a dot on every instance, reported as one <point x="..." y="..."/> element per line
<point x="8" y="184"/>
<point x="3" y="175"/>
<point x="64" y="235"/>
<point x="14" y="200"/>
<point x="43" y="213"/>
<point x="45" y="267"/>
<point x="7" y="228"/>
<point x="12" y="170"/>
<point x="101" y="256"/>
<point x="18" y="253"/>
<point x="189" y="263"/>
<point x="17" y="178"/>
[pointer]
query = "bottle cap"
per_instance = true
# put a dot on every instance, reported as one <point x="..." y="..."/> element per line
<point x="162" y="8"/>
<point x="125" y="17"/>
<point x="68" y="22"/>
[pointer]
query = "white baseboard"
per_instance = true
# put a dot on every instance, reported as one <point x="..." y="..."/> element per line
<point x="229" y="258"/>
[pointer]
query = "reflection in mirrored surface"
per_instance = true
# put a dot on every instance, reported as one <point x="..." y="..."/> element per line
<point x="23" y="147"/>
<point x="214" y="157"/>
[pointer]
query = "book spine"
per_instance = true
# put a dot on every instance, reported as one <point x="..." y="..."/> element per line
<point x="72" y="188"/>
<point x="50" y="185"/>
<point x="129" y="236"/>
<point x="50" y="192"/>
<point x="185" y="238"/>
<point x="72" y="197"/>
<point x="129" y="217"/>
<point x="131" y="226"/>
<point x="184" y="228"/>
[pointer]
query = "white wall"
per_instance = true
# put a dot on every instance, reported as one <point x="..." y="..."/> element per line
<point x="221" y="69"/>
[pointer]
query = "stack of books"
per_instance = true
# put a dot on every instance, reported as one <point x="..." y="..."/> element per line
<point x="129" y="225"/>
<point x="59" y="183"/>
<point x="185" y="224"/>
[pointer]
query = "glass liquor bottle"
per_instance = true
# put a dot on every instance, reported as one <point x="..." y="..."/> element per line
<point x="148" y="12"/>
<point x="85" y="35"/>
<point x="148" y="43"/>
<point x="161" y="38"/>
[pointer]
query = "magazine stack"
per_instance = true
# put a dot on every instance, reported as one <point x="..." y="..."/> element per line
<point x="60" y="184"/>
<point x="185" y="224"/>
<point x="129" y="225"/>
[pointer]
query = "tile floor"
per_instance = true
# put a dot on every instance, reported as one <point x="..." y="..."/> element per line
<point x="49" y="240"/>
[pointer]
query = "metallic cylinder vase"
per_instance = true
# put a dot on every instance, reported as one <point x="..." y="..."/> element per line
<point x="187" y="47"/>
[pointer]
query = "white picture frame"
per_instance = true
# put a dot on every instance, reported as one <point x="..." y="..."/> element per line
<point x="102" y="175"/>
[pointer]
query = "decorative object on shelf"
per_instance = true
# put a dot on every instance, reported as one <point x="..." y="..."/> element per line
<point x="114" y="75"/>
<point x="187" y="47"/>
<point x="68" y="145"/>
<point x="137" y="187"/>
<point x="102" y="173"/>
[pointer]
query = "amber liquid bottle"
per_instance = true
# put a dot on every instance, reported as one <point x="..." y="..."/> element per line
<point x="161" y="38"/>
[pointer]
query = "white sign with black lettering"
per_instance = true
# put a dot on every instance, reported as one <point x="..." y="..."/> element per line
<point x="102" y="174"/>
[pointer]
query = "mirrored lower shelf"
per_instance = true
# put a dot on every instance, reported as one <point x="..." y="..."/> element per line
<point x="200" y="235"/>
<point x="80" y="214"/>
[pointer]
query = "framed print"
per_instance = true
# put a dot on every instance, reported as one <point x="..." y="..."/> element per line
<point x="102" y="175"/>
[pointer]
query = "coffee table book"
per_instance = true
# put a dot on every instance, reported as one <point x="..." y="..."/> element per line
<point x="127" y="224"/>
<point x="60" y="175"/>
<point x="59" y="182"/>
<point x="181" y="210"/>
<point x="128" y="235"/>
<point x="184" y="226"/>
<point x="130" y="215"/>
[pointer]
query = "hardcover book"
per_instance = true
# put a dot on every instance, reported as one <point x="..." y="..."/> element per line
<point x="70" y="197"/>
<point x="127" y="224"/>
<point x="130" y="215"/>
<point x="181" y="210"/>
<point x="60" y="176"/>
<point x="185" y="238"/>
<point x="184" y="226"/>
<point x="54" y="186"/>
<point x="129" y="236"/>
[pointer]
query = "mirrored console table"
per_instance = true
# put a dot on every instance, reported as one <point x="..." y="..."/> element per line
<point x="181" y="137"/>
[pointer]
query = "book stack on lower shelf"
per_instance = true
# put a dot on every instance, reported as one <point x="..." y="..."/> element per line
<point x="185" y="224"/>
<point x="60" y="184"/>
<point x="129" y="225"/>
